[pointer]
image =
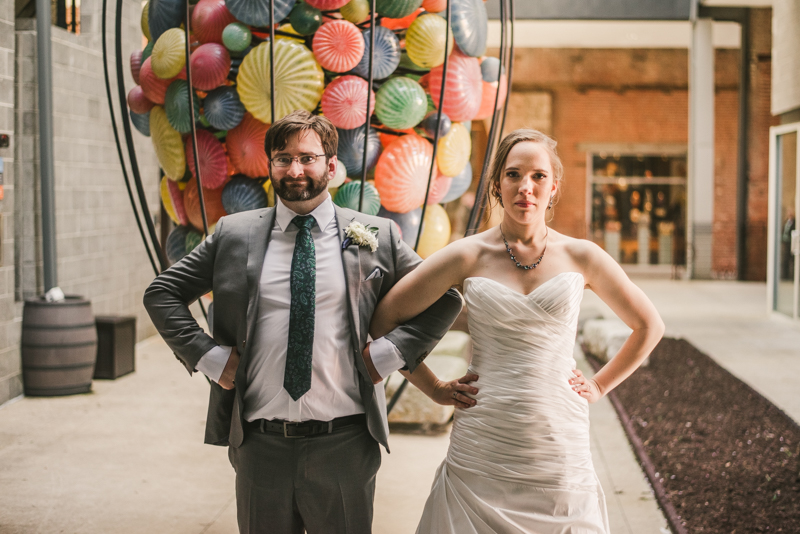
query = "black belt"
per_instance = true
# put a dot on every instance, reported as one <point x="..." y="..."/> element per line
<point x="292" y="429"/>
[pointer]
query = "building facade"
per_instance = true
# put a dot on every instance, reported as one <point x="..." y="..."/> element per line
<point x="100" y="254"/>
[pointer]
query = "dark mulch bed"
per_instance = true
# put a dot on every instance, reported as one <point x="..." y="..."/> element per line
<point x="723" y="458"/>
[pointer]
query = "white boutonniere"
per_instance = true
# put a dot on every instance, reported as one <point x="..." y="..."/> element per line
<point x="361" y="235"/>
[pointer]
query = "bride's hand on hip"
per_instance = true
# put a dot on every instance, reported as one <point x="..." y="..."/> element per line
<point x="454" y="392"/>
<point x="585" y="387"/>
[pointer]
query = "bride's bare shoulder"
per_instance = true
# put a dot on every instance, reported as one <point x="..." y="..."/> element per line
<point x="465" y="251"/>
<point x="581" y="251"/>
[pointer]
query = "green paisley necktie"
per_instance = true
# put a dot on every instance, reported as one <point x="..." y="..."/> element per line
<point x="297" y="375"/>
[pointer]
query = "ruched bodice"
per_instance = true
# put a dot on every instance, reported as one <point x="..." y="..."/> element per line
<point x="519" y="460"/>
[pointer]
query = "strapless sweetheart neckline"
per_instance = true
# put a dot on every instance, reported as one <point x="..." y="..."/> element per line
<point x="534" y="290"/>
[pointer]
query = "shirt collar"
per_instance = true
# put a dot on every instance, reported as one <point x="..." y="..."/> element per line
<point x="323" y="214"/>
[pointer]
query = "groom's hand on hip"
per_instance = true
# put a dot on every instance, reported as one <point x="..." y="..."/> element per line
<point x="226" y="381"/>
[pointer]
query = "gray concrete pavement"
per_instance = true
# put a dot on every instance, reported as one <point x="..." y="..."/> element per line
<point x="729" y="322"/>
<point x="129" y="458"/>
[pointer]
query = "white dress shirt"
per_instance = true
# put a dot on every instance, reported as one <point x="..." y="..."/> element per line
<point x="334" y="382"/>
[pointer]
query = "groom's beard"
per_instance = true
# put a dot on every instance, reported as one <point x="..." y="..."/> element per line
<point x="293" y="192"/>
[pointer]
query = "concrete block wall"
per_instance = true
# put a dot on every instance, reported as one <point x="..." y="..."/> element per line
<point x="100" y="254"/>
<point x="10" y="368"/>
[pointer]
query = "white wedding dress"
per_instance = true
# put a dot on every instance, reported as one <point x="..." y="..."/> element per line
<point x="519" y="460"/>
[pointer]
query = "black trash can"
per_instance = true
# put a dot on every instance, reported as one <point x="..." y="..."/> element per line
<point x="116" y="342"/>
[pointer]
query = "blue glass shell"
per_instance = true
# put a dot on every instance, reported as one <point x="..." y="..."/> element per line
<point x="256" y="12"/>
<point x="351" y="150"/>
<point x="429" y="125"/>
<point x="243" y="194"/>
<point x="408" y="223"/>
<point x="163" y="15"/>
<point x="348" y="197"/>
<point x="176" y="243"/>
<point x="459" y="185"/>
<point x="141" y="122"/>
<point x="490" y="67"/>
<point x="387" y="54"/>
<point x="470" y="25"/>
<point x="223" y="109"/>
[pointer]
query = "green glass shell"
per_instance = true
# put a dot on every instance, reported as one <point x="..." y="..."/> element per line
<point x="193" y="239"/>
<point x="396" y="9"/>
<point x="401" y="103"/>
<point x="148" y="50"/>
<point x="348" y="197"/>
<point x="305" y="19"/>
<point x="236" y="37"/>
<point x="176" y="105"/>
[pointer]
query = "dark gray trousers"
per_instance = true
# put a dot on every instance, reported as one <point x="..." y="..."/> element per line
<point x="322" y="484"/>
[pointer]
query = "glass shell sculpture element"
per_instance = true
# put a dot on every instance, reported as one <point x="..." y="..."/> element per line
<point x="299" y="80"/>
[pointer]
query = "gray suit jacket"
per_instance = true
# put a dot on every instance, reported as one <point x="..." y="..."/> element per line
<point x="229" y="263"/>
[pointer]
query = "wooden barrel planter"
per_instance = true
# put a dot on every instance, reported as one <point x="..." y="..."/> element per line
<point x="59" y="346"/>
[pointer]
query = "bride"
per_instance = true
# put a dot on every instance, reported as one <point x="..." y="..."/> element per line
<point x="519" y="458"/>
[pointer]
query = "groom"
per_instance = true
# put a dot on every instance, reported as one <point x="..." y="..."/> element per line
<point x="294" y="391"/>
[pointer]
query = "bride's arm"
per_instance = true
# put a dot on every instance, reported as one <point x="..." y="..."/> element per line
<point x="606" y="278"/>
<point x="419" y="289"/>
<point x="413" y="294"/>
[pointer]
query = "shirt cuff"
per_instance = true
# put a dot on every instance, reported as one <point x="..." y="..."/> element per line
<point x="386" y="357"/>
<point x="213" y="362"/>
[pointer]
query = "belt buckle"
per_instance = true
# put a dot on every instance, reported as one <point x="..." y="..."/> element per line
<point x="286" y="430"/>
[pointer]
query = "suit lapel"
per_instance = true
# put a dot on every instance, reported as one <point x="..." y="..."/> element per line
<point x="258" y="238"/>
<point x="352" y="274"/>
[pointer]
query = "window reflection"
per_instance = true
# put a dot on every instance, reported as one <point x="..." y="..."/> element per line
<point x="639" y="207"/>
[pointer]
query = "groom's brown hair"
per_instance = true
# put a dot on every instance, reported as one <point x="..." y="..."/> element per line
<point x="300" y="121"/>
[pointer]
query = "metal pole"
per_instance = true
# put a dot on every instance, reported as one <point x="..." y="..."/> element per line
<point x="126" y="126"/>
<point x="46" y="168"/>
<point x="476" y="213"/>
<point x="369" y="95"/>
<point x="438" y="123"/>
<point x="509" y="71"/>
<point x="743" y="171"/>
<point x="116" y="138"/>
<point x="193" y="126"/>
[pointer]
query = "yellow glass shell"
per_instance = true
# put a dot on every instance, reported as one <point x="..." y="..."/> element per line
<point x="168" y="144"/>
<point x="356" y="11"/>
<point x="435" y="231"/>
<point x="169" y="54"/>
<point x="425" y="41"/>
<point x="143" y="22"/>
<point x="299" y="80"/>
<point x="166" y="199"/>
<point x="454" y="150"/>
<point x="287" y="28"/>
<point x="268" y="190"/>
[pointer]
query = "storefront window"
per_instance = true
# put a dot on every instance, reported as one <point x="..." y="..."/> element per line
<point x="638" y="207"/>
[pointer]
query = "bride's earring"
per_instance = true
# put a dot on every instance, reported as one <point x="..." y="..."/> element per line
<point x="499" y="199"/>
<point x="549" y="207"/>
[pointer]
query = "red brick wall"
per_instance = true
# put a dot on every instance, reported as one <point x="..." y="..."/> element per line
<point x="726" y="135"/>
<point x="603" y="116"/>
<point x="641" y="96"/>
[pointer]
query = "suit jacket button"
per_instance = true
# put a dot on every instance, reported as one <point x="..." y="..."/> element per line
<point x="244" y="342"/>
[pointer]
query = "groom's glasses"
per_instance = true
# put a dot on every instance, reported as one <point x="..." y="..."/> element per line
<point x="285" y="161"/>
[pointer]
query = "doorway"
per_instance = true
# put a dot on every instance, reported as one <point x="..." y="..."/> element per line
<point x="783" y="275"/>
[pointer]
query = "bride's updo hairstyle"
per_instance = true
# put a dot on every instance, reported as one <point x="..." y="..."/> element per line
<point x="520" y="136"/>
